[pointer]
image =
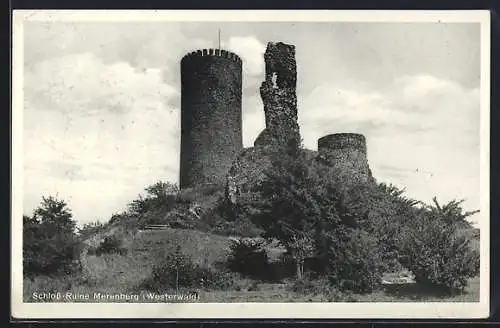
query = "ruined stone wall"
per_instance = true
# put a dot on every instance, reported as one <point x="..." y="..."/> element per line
<point x="211" y="119"/>
<point x="347" y="154"/>
<point x="278" y="92"/>
<point x="279" y="97"/>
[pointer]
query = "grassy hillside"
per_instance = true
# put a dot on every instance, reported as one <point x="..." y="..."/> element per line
<point x="145" y="248"/>
<point x="112" y="273"/>
<point x="142" y="250"/>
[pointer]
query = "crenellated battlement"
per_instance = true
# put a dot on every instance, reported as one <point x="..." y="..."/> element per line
<point x="342" y="141"/>
<point x="212" y="53"/>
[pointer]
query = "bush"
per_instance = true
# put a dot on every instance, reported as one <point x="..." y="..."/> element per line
<point x="357" y="266"/>
<point x="439" y="257"/>
<point x="90" y="229"/>
<point x="117" y="218"/>
<point x="110" y="245"/>
<point x="224" y="219"/>
<point x="177" y="270"/>
<point x="190" y="195"/>
<point x="50" y="245"/>
<point x="291" y="204"/>
<point x="248" y="258"/>
<point x="180" y="218"/>
<point x="176" y="218"/>
<point x="426" y="240"/>
<point x="161" y="196"/>
<point x="239" y="227"/>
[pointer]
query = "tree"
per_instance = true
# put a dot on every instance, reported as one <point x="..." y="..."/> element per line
<point x="388" y="214"/>
<point x="161" y="196"/>
<point x="55" y="213"/>
<point x="289" y="208"/>
<point x="31" y="240"/>
<point x="161" y="190"/>
<point x="50" y="245"/>
<point x="436" y="253"/>
<point x="451" y="212"/>
<point x="355" y="263"/>
<point x="306" y="208"/>
<point x="90" y="228"/>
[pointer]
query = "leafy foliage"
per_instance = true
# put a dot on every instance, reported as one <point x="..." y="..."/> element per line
<point x="110" y="245"/>
<point x="223" y="219"/>
<point x="358" y="231"/>
<point x="50" y="245"/>
<point x="435" y="253"/>
<point x="451" y="213"/>
<point x="357" y="267"/>
<point x="89" y="229"/>
<point x="292" y="203"/>
<point x="161" y="196"/>
<point x="248" y="257"/>
<point x="177" y="270"/>
<point x="315" y="216"/>
<point x="388" y="215"/>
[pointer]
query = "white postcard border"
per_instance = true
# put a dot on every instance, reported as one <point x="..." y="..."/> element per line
<point x="378" y="310"/>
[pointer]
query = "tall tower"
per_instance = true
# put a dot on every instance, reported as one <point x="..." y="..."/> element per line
<point x="211" y="132"/>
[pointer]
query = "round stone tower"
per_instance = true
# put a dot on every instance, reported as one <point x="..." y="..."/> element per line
<point x="346" y="152"/>
<point x="211" y="122"/>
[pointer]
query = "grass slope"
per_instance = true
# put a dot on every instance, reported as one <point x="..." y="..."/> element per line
<point x="145" y="248"/>
<point x="113" y="273"/>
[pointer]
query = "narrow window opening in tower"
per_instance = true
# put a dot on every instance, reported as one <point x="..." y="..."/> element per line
<point x="274" y="80"/>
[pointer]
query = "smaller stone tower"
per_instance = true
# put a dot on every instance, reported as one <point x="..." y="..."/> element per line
<point x="347" y="153"/>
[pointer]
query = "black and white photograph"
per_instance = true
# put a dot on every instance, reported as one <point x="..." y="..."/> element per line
<point x="250" y="164"/>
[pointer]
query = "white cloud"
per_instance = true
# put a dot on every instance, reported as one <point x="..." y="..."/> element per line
<point x="96" y="134"/>
<point x="83" y="83"/>
<point x="141" y="44"/>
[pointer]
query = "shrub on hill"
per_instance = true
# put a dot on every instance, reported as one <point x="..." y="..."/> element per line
<point x="317" y="217"/>
<point x="50" y="245"/>
<point x="358" y="231"/>
<point x="160" y="196"/>
<point x="358" y="266"/>
<point x="230" y="224"/>
<point x="90" y="229"/>
<point x="434" y="251"/>
<point x="248" y="258"/>
<point x="177" y="270"/>
<point x="110" y="245"/>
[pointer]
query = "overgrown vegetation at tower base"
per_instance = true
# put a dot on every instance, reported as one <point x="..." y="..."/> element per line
<point x="321" y="239"/>
<point x="356" y="232"/>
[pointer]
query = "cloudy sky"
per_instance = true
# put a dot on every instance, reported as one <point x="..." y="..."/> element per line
<point x="101" y="102"/>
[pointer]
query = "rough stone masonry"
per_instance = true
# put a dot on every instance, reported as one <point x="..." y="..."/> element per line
<point x="278" y="92"/>
<point x="346" y="153"/>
